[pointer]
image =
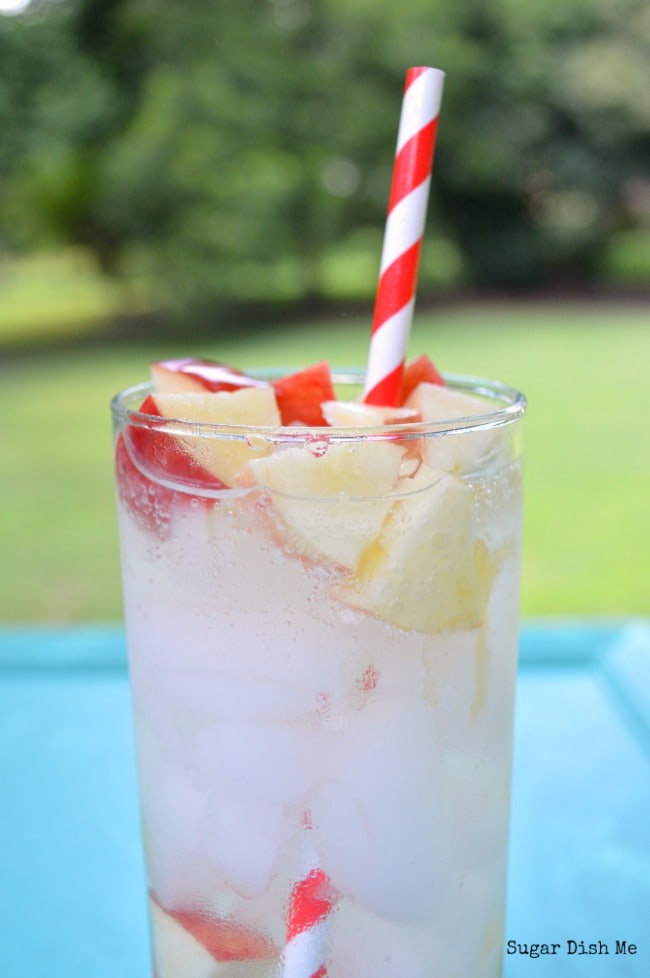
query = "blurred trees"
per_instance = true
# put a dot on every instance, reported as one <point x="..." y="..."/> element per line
<point x="231" y="149"/>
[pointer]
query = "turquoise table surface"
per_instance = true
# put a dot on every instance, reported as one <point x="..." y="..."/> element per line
<point x="71" y="874"/>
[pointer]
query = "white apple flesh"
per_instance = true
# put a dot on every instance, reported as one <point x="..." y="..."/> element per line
<point x="461" y="453"/>
<point x="224" y="456"/>
<point x="336" y="501"/>
<point x="426" y="571"/>
<point x="353" y="414"/>
<point x="178" y="954"/>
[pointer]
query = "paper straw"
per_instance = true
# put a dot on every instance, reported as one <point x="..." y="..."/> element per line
<point x="308" y="925"/>
<point x="405" y="222"/>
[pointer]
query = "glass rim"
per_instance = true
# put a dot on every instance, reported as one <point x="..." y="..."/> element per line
<point x="510" y="406"/>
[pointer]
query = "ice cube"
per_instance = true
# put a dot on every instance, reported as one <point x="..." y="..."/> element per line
<point x="266" y="762"/>
<point x="217" y="694"/>
<point x="174" y="825"/>
<point x="450" y="664"/>
<point x="379" y="823"/>
<point x="364" y="944"/>
<point x="245" y="841"/>
<point x="464" y="938"/>
<point x="271" y="644"/>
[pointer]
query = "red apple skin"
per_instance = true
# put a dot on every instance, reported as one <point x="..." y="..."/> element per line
<point x="160" y="453"/>
<point x="190" y="373"/>
<point x="300" y="395"/>
<point x="157" y="453"/>
<point x="149" y="503"/>
<point x="415" y="372"/>
<point x="226" y="940"/>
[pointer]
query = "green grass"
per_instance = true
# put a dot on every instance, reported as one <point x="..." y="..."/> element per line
<point x="584" y="370"/>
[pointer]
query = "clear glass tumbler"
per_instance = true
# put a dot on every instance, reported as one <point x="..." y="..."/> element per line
<point x="322" y="654"/>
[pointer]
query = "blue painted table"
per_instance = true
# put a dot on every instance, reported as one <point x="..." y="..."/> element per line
<point x="71" y="875"/>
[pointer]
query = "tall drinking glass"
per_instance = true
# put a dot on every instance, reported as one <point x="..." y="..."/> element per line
<point x="322" y="656"/>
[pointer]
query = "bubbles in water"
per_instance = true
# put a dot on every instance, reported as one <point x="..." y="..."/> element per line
<point x="410" y="466"/>
<point x="257" y="443"/>
<point x="318" y="447"/>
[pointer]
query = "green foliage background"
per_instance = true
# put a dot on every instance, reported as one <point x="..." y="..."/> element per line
<point x="244" y="149"/>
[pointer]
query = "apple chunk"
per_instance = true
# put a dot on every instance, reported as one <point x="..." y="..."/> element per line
<point x="188" y="944"/>
<point x="176" y="951"/>
<point x="354" y="414"/>
<point x="191" y="374"/>
<point x="464" y="452"/>
<point x="301" y="394"/>
<point x="334" y="502"/>
<point x="224" y="457"/>
<point x="415" y="372"/>
<point x="148" y="502"/>
<point x="147" y="460"/>
<point x="426" y="571"/>
<point x="159" y="454"/>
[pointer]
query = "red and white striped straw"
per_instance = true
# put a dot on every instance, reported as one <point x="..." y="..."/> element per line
<point x="407" y="207"/>
<point x="308" y="925"/>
